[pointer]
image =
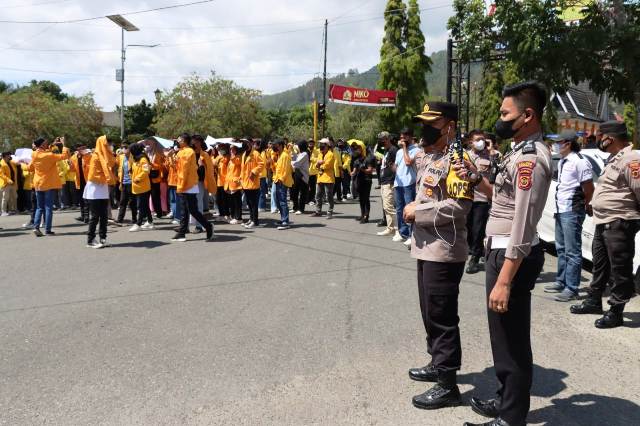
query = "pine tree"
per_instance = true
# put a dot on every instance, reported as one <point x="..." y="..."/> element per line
<point x="392" y="67"/>
<point x="417" y="64"/>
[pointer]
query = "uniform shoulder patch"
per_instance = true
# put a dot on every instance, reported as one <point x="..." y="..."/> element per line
<point x="525" y="174"/>
<point x="529" y="147"/>
<point x="634" y="168"/>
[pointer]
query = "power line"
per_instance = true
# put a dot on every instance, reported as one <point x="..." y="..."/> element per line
<point x="17" y="6"/>
<point x="72" y="21"/>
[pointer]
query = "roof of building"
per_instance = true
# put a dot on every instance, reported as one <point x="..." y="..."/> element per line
<point x="581" y="101"/>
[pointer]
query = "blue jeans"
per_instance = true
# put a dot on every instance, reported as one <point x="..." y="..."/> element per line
<point x="281" y="196"/>
<point x="44" y="203"/>
<point x="274" y="198"/>
<point x="403" y="196"/>
<point x="262" y="199"/>
<point x="569" y="249"/>
<point x="176" y="208"/>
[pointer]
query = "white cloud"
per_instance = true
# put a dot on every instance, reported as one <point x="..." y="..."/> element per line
<point x="267" y="45"/>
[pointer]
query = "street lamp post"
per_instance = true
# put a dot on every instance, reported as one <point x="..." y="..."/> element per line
<point x="125" y="25"/>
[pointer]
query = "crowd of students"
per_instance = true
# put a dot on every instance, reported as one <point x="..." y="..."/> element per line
<point x="184" y="183"/>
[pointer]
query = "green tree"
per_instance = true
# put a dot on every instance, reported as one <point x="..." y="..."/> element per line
<point x="392" y="67"/>
<point x="138" y="118"/>
<point x="353" y="122"/>
<point x="417" y="63"/>
<point x="50" y="88"/>
<point x="30" y="112"/>
<point x="630" y="115"/>
<point x="213" y="106"/>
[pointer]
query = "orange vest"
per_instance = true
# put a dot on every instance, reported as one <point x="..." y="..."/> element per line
<point x="86" y="160"/>
<point x="209" y="173"/>
<point x="170" y="165"/>
<point x="251" y="164"/>
<point x="222" y="164"/>
<point x="101" y="164"/>
<point x="158" y="165"/>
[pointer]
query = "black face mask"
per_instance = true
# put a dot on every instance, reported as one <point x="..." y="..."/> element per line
<point x="505" y="130"/>
<point x="430" y="135"/>
<point x="600" y="145"/>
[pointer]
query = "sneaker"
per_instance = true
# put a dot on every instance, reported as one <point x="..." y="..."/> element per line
<point x="4" y="214"/>
<point x="179" y="238"/>
<point x="135" y="228"/>
<point x="169" y="216"/>
<point x="227" y="218"/>
<point x="407" y="242"/>
<point x="349" y="197"/>
<point x="50" y="233"/>
<point x="298" y="212"/>
<point x="175" y="222"/>
<point x="385" y="233"/>
<point x="316" y="214"/>
<point x="210" y="234"/>
<point x="275" y="212"/>
<point x="27" y="226"/>
<point x="283" y="226"/>
<point x="104" y="242"/>
<point x="312" y="203"/>
<point x="37" y="232"/>
<point x="94" y="244"/>
<point x="148" y="226"/>
<point x="262" y="210"/>
<point x="329" y="215"/>
<point x="234" y="222"/>
<point x="250" y="225"/>
<point x="397" y="238"/>
<point x="198" y="230"/>
<point x="553" y="288"/>
<point x="566" y="296"/>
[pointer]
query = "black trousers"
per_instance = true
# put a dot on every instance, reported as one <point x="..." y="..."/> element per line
<point x="313" y="180"/>
<point x="252" y="202"/>
<point x="346" y="183"/>
<point x="221" y="200"/>
<point x="299" y="193"/>
<point x="84" y="205"/>
<point x="189" y="203"/>
<point x="144" y="213"/>
<point x="438" y="287"/>
<point x="337" y="189"/>
<point x="67" y="191"/>
<point x="99" y="212"/>
<point x="511" y="334"/>
<point x="127" y="199"/>
<point x="613" y="249"/>
<point x="155" y="199"/>
<point x="364" y="189"/>
<point x="235" y="205"/>
<point x="476" y="226"/>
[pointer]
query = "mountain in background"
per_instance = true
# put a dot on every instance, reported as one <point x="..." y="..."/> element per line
<point x="303" y="95"/>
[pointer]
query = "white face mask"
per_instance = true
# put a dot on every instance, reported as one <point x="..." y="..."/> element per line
<point x="479" y="145"/>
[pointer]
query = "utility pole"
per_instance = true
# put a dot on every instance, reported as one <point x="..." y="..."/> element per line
<point x="122" y="91"/>
<point x="324" y="77"/>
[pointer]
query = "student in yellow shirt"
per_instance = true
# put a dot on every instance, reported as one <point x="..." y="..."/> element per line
<point x="46" y="182"/>
<point x="206" y="175"/>
<point x="250" y="177"/>
<point x="261" y="147"/>
<point x="99" y="179"/>
<point x="313" y="170"/>
<point x="326" y="178"/>
<point x="140" y="176"/>
<point x="8" y="184"/>
<point x="233" y="186"/>
<point x="187" y="188"/>
<point x="283" y="180"/>
<point x="221" y="163"/>
<point x="127" y="198"/>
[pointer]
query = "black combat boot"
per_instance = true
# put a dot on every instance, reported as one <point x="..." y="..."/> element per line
<point x="428" y="373"/>
<point x="445" y="393"/>
<point x="590" y="305"/>
<point x="494" y="422"/>
<point x="612" y="318"/>
<point x="474" y="265"/>
<point x="485" y="407"/>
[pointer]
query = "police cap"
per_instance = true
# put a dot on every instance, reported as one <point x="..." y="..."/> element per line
<point x="435" y="110"/>
<point x="613" y="128"/>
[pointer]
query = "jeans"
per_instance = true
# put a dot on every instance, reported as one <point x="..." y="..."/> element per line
<point x="403" y="196"/>
<point x="44" y="202"/>
<point x="176" y="208"/>
<point x="281" y="196"/>
<point x="98" y="209"/>
<point x="262" y="199"/>
<point x="274" y="198"/>
<point x="569" y="249"/>
<point x="144" y="212"/>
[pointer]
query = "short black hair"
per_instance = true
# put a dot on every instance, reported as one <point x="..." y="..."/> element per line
<point x="197" y="137"/>
<point x="6" y="153"/>
<point x="38" y="142"/>
<point x="406" y="131"/>
<point x="476" y="132"/>
<point x="186" y="137"/>
<point x="528" y="94"/>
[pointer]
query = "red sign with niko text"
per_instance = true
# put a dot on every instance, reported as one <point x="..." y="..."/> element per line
<point x="363" y="97"/>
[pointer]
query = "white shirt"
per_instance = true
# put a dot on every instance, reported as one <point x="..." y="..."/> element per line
<point x="95" y="191"/>
<point x="195" y="189"/>
<point x="573" y="170"/>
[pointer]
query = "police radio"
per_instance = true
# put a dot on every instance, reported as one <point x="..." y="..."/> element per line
<point x="494" y="169"/>
<point x="456" y="151"/>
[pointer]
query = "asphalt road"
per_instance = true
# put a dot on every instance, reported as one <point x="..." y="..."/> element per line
<point x="314" y="325"/>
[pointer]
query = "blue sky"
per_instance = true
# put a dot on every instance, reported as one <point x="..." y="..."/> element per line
<point x="267" y="45"/>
